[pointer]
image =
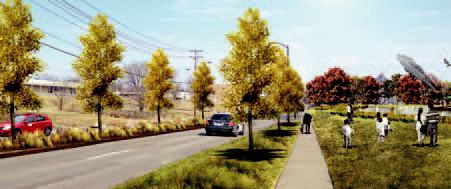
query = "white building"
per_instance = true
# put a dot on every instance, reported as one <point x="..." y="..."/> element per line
<point x="47" y="87"/>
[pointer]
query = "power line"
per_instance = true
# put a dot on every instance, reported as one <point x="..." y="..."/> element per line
<point x="60" y="39"/>
<point x="76" y="56"/>
<point x="131" y="46"/>
<point x="74" y="11"/>
<point x="136" y="41"/>
<point x="135" y="31"/>
<point x="60" y="50"/>
<point x="57" y="15"/>
<point x="71" y="12"/>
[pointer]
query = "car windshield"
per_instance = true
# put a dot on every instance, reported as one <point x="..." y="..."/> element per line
<point x="19" y="118"/>
<point x="223" y="117"/>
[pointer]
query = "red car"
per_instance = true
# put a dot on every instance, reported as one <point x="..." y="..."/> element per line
<point x="30" y="122"/>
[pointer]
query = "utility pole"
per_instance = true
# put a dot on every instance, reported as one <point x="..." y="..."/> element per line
<point x="195" y="57"/>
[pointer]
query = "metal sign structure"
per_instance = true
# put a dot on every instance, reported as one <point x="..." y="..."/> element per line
<point x="416" y="71"/>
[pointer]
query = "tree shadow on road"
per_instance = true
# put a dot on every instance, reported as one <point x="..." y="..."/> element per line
<point x="215" y="135"/>
<point x="251" y="156"/>
<point x="291" y="124"/>
<point x="277" y="133"/>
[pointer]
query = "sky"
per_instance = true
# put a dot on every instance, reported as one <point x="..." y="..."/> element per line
<point x="361" y="36"/>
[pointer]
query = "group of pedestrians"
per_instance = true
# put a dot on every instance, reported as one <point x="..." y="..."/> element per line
<point x="382" y="127"/>
<point x="426" y="124"/>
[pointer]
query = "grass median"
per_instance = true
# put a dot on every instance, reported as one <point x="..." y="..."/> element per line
<point x="230" y="165"/>
<point x="397" y="163"/>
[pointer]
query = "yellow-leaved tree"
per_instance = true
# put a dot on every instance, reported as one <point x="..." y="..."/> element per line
<point x="158" y="83"/>
<point x="286" y="91"/>
<point x="247" y="68"/>
<point x="202" y="87"/>
<point x="19" y="40"/>
<point x="97" y="68"/>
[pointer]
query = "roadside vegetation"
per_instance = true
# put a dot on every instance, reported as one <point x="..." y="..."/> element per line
<point x="72" y="136"/>
<point x="397" y="163"/>
<point x="230" y="165"/>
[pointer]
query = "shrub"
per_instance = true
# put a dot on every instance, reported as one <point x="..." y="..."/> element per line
<point x="39" y="143"/>
<point x="117" y="132"/>
<point x="48" y="142"/>
<point x="161" y="128"/>
<point x="7" y="144"/>
<point x="94" y="134"/>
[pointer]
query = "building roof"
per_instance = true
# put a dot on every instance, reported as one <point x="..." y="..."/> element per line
<point x="37" y="82"/>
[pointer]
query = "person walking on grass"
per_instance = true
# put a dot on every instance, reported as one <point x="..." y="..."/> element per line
<point x="386" y="124"/>
<point x="380" y="131"/>
<point x="432" y="119"/>
<point x="346" y="130"/>
<point x="420" y="127"/>
<point x="306" y="123"/>
<point x="349" y="111"/>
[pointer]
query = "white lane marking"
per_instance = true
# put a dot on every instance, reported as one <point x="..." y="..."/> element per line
<point x="107" y="154"/>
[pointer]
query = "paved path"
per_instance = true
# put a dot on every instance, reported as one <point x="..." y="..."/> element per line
<point x="306" y="167"/>
<point x="105" y="165"/>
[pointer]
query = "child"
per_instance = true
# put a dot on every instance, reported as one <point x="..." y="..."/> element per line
<point x="346" y="130"/>
<point x="386" y="124"/>
<point x="380" y="130"/>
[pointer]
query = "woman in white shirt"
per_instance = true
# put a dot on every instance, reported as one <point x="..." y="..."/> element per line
<point x="420" y="123"/>
<point x="380" y="131"/>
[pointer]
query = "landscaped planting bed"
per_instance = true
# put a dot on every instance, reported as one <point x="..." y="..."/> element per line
<point x="230" y="165"/>
<point x="75" y="137"/>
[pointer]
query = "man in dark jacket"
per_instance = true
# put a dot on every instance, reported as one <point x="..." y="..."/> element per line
<point x="306" y="122"/>
<point x="432" y="119"/>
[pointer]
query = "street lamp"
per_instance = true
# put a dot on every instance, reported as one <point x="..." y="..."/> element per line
<point x="287" y="48"/>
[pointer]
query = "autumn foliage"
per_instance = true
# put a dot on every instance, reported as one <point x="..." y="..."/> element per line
<point x="411" y="91"/>
<point x="370" y="92"/>
<point x="98" y="69"/>
<point x="331" y="88"/>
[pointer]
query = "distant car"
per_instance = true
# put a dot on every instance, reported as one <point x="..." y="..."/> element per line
<point x="223" y="123"/>
<point x="27" y="123"/>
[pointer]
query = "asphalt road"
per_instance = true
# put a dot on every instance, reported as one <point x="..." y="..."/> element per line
<point x="105" y="165"/>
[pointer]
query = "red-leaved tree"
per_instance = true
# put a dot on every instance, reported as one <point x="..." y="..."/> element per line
<point x="316" y="90"/>
<point x="411" y="91"/>
<point x="331" y="88"/>
<point x="370" y="90"/>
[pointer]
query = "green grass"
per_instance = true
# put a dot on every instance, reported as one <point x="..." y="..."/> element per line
<point x="230" y="165"/>
<point x="395" y="164"/>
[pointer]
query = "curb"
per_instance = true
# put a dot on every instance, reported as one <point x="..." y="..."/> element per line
<point x="15" y="153"/>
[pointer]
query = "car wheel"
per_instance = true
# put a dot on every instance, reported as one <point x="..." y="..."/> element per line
<point x="235" y="132"/>
<point x="47" y="131"/>
<point x="207" y="133"/>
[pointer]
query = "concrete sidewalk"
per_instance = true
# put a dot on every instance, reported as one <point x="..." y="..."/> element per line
<point x="306" y="167"/>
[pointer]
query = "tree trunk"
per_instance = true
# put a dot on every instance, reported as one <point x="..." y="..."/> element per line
<point x="288" y="117"/>
<point x="194" y="110"/>
<point x="202" y="109"/>
<point x="278" y="122"/>
<point x="99" y="117"/>
<point x="60" y="107"/>
<point x="11" y="116"/>
<point x="141" y="105"/>
<point x="251" y="137"/>
<point x="158" y="115"/>
<point x="294" y="115"/>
